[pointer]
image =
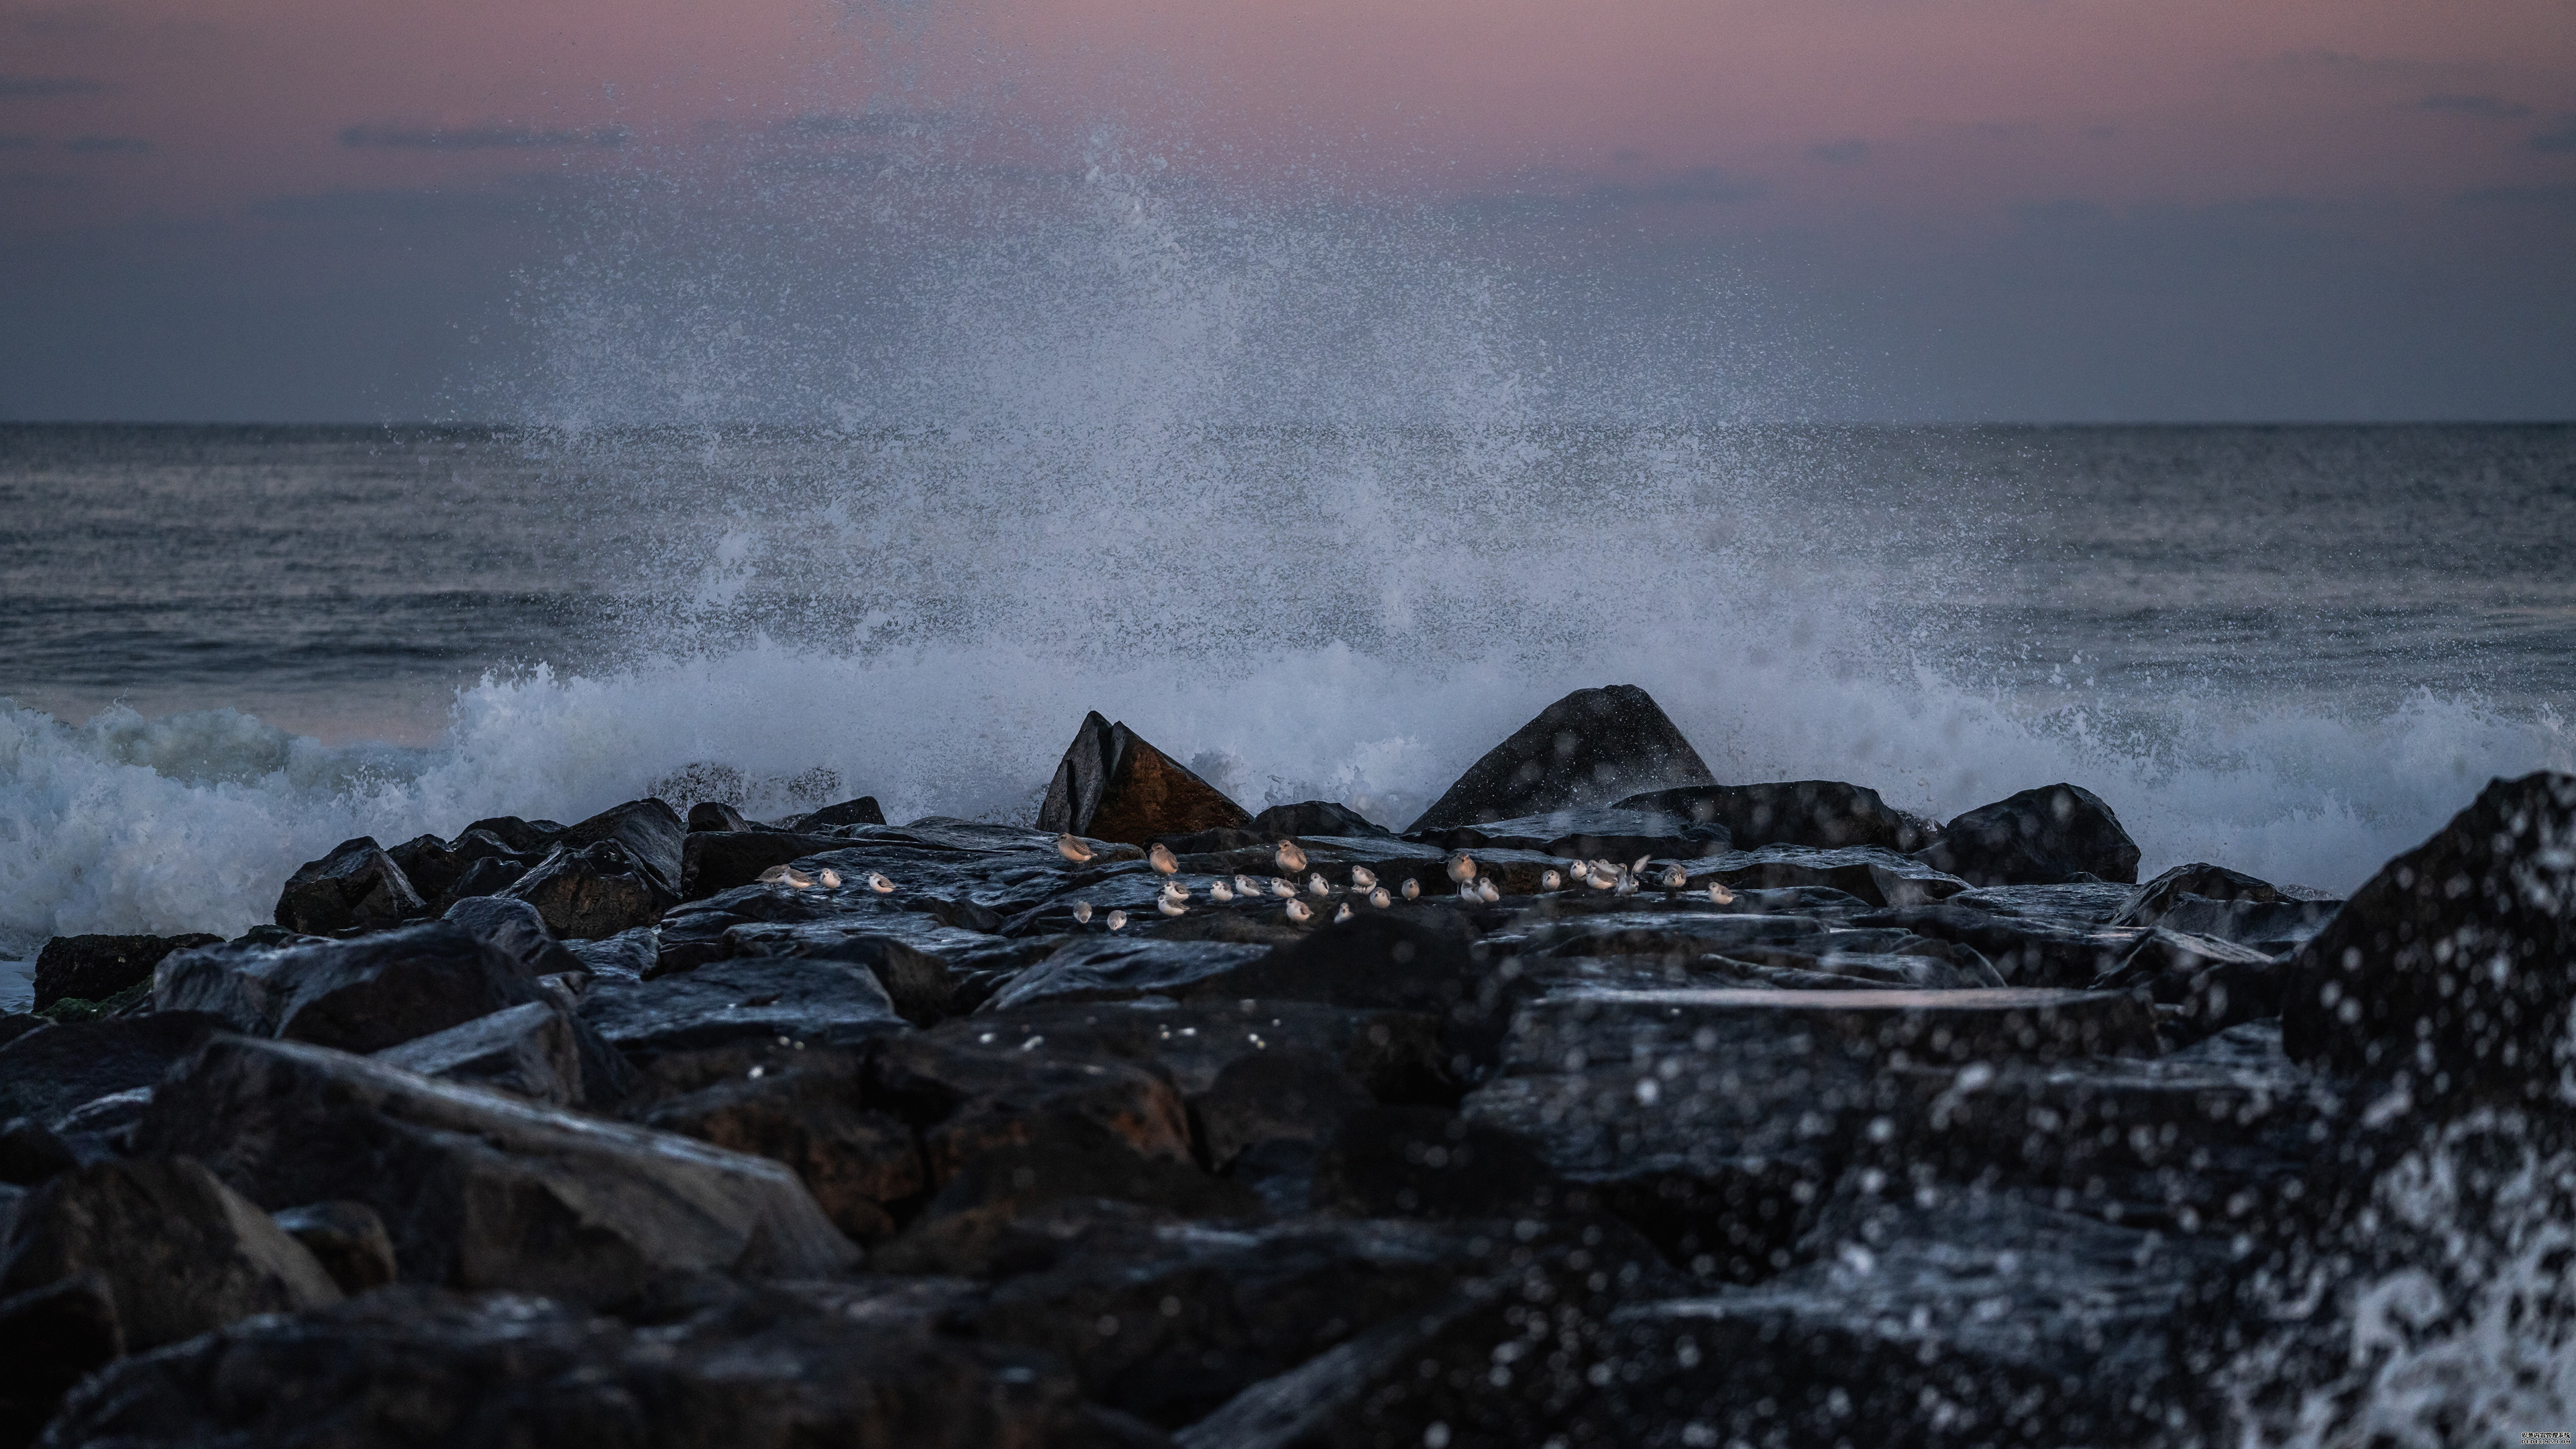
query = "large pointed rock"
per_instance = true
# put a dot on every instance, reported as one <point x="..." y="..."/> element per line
<point x="1114" y="786"/>
<point x="356" y="887"/>
<point x="1590" y="748"/>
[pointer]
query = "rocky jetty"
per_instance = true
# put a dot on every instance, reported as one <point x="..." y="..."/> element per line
<point x="1607" y="1105"/>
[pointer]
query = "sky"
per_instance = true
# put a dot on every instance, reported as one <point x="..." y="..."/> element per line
<point x="2010" y="210"/>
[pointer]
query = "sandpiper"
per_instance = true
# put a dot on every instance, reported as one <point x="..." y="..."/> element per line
<point x="1676" y="878"/>
<point x="1627" y="883"/>
<point x="1246" y="887"/>
<point x="878" y="883"/>
<point x="1363" y="878"/>
<point x="1082" y="912"/>
<point x="1298" y="913"/>
<point x="1462" y="867"/>
<point x="1380" y="899"/>
<point x="828" y="878"/>
<point x="1413" y="890"/>
<point x="1175" y="891"/>
<point x="1487" y="891"/>
<point x="1118" y="920"/>
<point x="786" y="876"/>
<point x="1160" y="857"/>
<point x="1291" y="859"/>
<point x="1170" y="907"/>
<point x="1343" y="914"/>
<point x="1284" y="889"/>
<point x="1550" y="880"/>
<point x="1072" y="848"/>
<point x="1719" y="895"/>
<point x="1220" y="892"/>
<point x="1317" y="887"/>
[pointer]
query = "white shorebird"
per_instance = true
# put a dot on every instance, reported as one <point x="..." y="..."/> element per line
<point x="1283" y="889"/>
<point x="1220" y="892"/>
<point x="1298" y="913"/>
<point x="1072" y="848"/>
<point x="1175" y="891"/>
<point x="828" y="878"/>
<point x="786" y="876"/>
<point x="1462" y="867"/>
<point x="1487" y="891"/>
<point x="1160" y="858"/>
<point x="1363" y="878"/>
<point x="1343" y="914"/>
<point x="1550" y="880"/>
<point x="1291" y="859"/>
<point x="1317" y="887"/>
<point x="1413" y="890"/>
<point x="1627" y="883"/>
<point x="1246" y="887"/>
<point x="1676" y="878"/>
<point x="1640" y="867"/>
<point x="1601" y="878"/>
<point x="1719" y="895"/>
<point x="878" y="883"/>
<point x="1082" y="912"/>
<point x="1118" y="920"/>
<point x="1380" y="899"/>
<point x="1170" y="907"/>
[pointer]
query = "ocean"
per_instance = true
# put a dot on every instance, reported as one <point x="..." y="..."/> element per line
<point x="2294" y="650"/>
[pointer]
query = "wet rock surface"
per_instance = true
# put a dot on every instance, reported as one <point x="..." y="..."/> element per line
<point x="1662" y="1112"/>
<point x="1590" y="748"/>
<point x="94" y="968"/>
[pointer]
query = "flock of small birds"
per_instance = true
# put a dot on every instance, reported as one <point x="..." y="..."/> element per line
<point x="1173" y="900"/>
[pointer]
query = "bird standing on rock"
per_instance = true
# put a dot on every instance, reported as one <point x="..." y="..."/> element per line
<point x="1284" y="889"/>
<point x="1118" y="920"/>
<point x="1601" y="878"/>
<point x="1175" y="891"/>
<point x="1246" y="887"/>
<point x="878" y="883"/>
<point x="1073" y="849"/>
<point x="1343" y="914"/>
<point x="1719" y="895"/>
<point x="1363" y="878"/>
<point x="1413" y="890"/>
<point x="1220" y="892"/>
<point x="1627" y="883"/>
<point x="1462" y="867"/>
<point x="1298" y="913"/>
<point x="1291" y="859"/>
<point x="1082" y="912"/>
<point x="1487" y="891"/>
<point x="1380" y="899"/>
<point x="1170" y="907"/>
<point x="1550" y="880"/>
<point x="1676" y="878"/>
<point x="1160" y="857"/>
<point x="1317" y="887"/>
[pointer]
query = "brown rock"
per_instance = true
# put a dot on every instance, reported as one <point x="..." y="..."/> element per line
<point x="1112" y="785"/>
<point x="806" y="1114"/>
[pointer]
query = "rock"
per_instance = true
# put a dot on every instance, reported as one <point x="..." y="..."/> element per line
<point x="1113" y="785"/>
<point x="483" y="1191"/>
<point x="488" y="877"/>
<point x="715" y="815"/>
<point x="2450" y="965"/>
<point x="973" y="1092"/>
<point x="822" y="1002"/>
<point x="2274" y="928"/>
<point x="411" y="1366"/>
<point x="1316" y="817"/>
<point x="431" y="865"/>
<point x="356" y="887"/>
<point x="1424" y="960"/>
<point x="1425" y="1162"/>
<point x="1876" y="876"/>
<point x="1587" y="834"/>
<point x="515" y="927"/>
<point x="178" y="1251"/>
<point x="519" y="837"/>
<point x="1964" y="1322"/>
<point x="94" y="968"/>
<point x="919" y="984"/>
<point x="53" y="1070"/>
<point x="1114" y="968"/>
<point x="1589" y="748"/>
<point x="716" y="861"/>
<point x="804" y="1112"/>
<point x="2203" y="984"/>
<point x="347" y="1239"/>
<point x="50" y="1339"/>
<point x="2038" y="837"/>
<point x="593" y="891"/>
<point x="538" y="1051"/>
<point x="862" y="811"/>
<point x="626" y="956"/>
<point x="1826" y="814"/>
<point x="981" y="1223"/>
<point x="647" y="832"/>
<point x="361" y="995"/>
<point x="31" y="1152"/>
<point x="2146" y="906"/>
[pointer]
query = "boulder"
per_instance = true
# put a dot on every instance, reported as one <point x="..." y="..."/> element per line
<point x="538" y="1051"/>
<point x="480" y="1190"/>
<point x="432" y="865"/>
<point x="2038" y="837"/>
<point x="361" y="995"/>
<point x="2451" y="965"/>
<point x="1112" y="785"/>
<point x="519" y="837"/>
<point x="1116" y="968"/>
<point x="488" y="876"/>
<point x="862" y="811"/>
<point x="1425" y="960"/>
<point x="2146" y="906"/>
<point x="356" y="887"/>
<point x="648" y="832"/>
<point x="1589" y="748"/>
<point x="94" y="968"/>
<point x="1587" y="834"/>
<point x="595" y="890"/>
<point x="50" y="1339"/>
<point x="823" y="1002"/>
<point x="919" y="984"/>
<point x="515" y="927"/>
<point x="31" y="1152"/>
<point x="715" y="861"/>
<point x="754" y="1369"/>
<point x="1877" y="876"/>
<point x="715" y="815"/>
<point x="1827" y="814"/>
<point x="54" y="1069"/>
<point x="805" y="1112"/>
<point x="970" y="1088"/>
<point x="978" y="1223"/>
<point x="347" y="1238"/>
<point x="178" y="1251"/>
<point x="1316" y="817"/>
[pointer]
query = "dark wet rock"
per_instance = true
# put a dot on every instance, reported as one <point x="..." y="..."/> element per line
<point x="50" y="1071"/>
<point x="862" y="811"/>
<point x="972" y="1091"/>
<point x="973" y="1225"/>
<point x="802" y="1109"/>
<point x="1868" y="873"/>
<point x="431" y="865"/>
<point x="715" y="861"/>
<point x="480" y="1190"/>
<point x="517" y="836"/>
<point x="2275" y="928"/>
<point x="1589" y="748"/>
<point x="594" y="890"/>
<point x="1425" y="961"/>
<point x="488" y="876"/>
<point x="361" y="995"/>
<point x="2203" y="984"/>
<point x="2216" y="1138"/>
<point x="179" y="1252"/>
<point x="515" y="927"/>
<point x="412" y="1366"/>
<point x="2042" y="951"/>
<point x="31" y="1152"/>
<point x="1591" y="833"/>
<point x="919" y="984"/>
<point x="1316" y="817"/>
<point x="2450" y="964"/>
<point x="647" y="832"/>
<point x="102" y="1120"/>
<point x="1826" y="814"/>
<point x="626" y="956"/>
<point x="2039" y="837"/>
<point x="1414" y="1161"/>
<point x="2083" y="903"/>
<point x="1215" y="842"/>
<point x="538" y="1051"/>
<point x="1114" y="968"/>
<point x="94" y="968"/>
<point x="50" y="1339"/>
<point x="715" y="815"/>
<point x="356" y="887"/>
<point x="347" y="1238"/>
<point x="1959" y="1323"/>
<point x="823" y="1002"/>
<point x="1113" y="785"/>
<point x="2147" y="905"/>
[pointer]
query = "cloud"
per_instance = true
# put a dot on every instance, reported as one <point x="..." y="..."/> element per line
<point x="477" y="138"/>
<point x="2483" y="108"/>
<point x="32" y="87"/>
<point x="108" y="146"/>
<point x="2560" y="138"/>
<point x="1846" y="152"/>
